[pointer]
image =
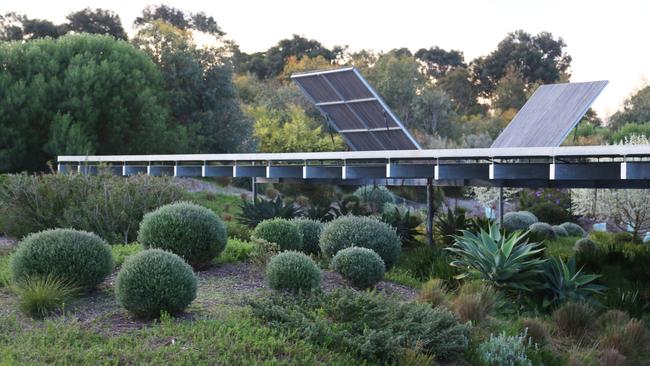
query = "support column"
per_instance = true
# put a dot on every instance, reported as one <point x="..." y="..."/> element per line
<point x="500" y="205"/>
<point x="254" y="189"/>
<point x="430" y="212"/>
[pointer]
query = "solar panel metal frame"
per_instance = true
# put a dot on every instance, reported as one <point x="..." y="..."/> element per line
<point x="369" y="131"/>
<point x="524" y="129"/>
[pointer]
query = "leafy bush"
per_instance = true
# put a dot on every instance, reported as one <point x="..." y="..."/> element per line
<point x="574" y="229"/>
<point x="585" y="246"/>
<point x="574" y="319"/>
<point x="536" y="331"/>
<point x="373" y="326"/>
<point x="559" y="231"/>
<point x="475" y="302"/>
<point x="550" y="212"/>
<point x="40" y="296"/>
<point x="122" y="251"/>
<point x="504" y="260"/>
<point x="153" y="281"/>
<point x="236" y="251"/>
<point x="433" y="292"/>
<point x="238" y="230"/>
<point x="352" y="205"/>
<point x="447" y="225"/>
<point x="110" y="206"/>
<point x="252" y="213"/>
<point x="564" y="283"/>
<point x="80" y="258"/>
<point x="541" y="231"/>
<point x="191" y="231"/>
<point x="263" y="251"/>
<point x="503" y="350"/>
<point x="360" y="266"/>
<point x="365" y="232"/>
<point x="520" y="220"/>
<point x="293" y="271"/>
<point x="310" y="231"/>
<point x="283" y="232"/>
<point x="405" y="223"/>
<point x="375" y="197"/>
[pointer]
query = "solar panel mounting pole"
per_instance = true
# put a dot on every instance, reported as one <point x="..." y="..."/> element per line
<point x="430" y="209"/>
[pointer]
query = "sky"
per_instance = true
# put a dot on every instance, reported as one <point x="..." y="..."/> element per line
<point x="608" y="40"/>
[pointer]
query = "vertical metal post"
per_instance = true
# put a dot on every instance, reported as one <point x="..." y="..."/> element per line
<point x="501" y="205"/>
<point x="430" y="209"/>
<point x="254" y="189"/>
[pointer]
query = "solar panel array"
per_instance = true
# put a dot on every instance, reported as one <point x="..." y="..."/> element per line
<point x="355" y="110"/>
<point x="549" y="115"/>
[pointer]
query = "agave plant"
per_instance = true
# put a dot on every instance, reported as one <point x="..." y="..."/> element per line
<point x="564" y="283"/>
<point x="405" y="223"/>
<point x="252" y="213"/>
<point x="322" y="213"/>
<point x="449" y="224"/>
<point x="506" y="260"/>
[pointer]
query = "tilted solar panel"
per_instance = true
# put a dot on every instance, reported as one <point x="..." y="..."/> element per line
<point x="549" y="115"/>
<point x="355" y="110"/>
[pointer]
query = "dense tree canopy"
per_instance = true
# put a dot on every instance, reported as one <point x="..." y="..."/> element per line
<point x="636" y="109"/>
<point x="98" y="21"/>
<point x="79" y="94"/>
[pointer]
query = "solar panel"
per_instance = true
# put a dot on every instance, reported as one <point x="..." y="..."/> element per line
<point x="549" y="115"/>
<point x="354" y="109"/>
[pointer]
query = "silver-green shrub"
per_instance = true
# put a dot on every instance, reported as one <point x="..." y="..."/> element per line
<point x="361" y="267"/>
<point x="573" y="229"/>
<point x="375" y="197"/>
<point x="310" y="230"/>
<point x="559" y="231"/>
<point x="293" y="271"/>
<point x="540" y="231"/>
<point x="504" y="350"/>
<point x="283" y="232"/>
<point x="520" y="220"/>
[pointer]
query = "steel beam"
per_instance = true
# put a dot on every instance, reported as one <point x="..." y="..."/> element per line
<point x="249" y="171"/>
<point x="161" y="170"/>
<point x="129" y="170"/>
<point x="410" y="171"/>
<point x="585" y="171"/>
<point x="284" y="171"/>
<point x="519" y="171"/>
<point x="218" y="171"/>
<point x="322" y="172"/>
<point x="462" y="171"/>
<point x="363" y="172"/>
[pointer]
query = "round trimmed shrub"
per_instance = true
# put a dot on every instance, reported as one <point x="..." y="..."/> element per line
<point x="77" y="257"/>
<point x="153" y="281"/>
<point x="293" y="271"/>
<point x="193" y="232"/>
<point x="573" y="229"/>
<point x="365" y="232"/>
<point x="541" y="231"/>
<point x="585" y="246"/>
<point x="283" y="232"/>
<point x="375" y="196"/>
<point x="310" y="230"/>
<point x="559" y="231"/>
<point x="550" y="212"/>
<point x="519" y="220"/>
<point x="361" y="267"/>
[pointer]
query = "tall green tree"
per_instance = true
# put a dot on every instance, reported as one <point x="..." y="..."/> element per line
<point x="635" y="110"/>
<point x="80" y="94"/>
<point x="179" y="19"/>
<point x="511" y="90"/>
<point x="438" y="62"/>
<point x="18" y="27"/>
<point x="97" y="21"/>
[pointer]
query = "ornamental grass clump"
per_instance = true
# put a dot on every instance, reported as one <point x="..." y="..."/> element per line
<point x="79" y="258"/>
<point x="193" y="232"/>
<point x="365" y="232"/>
<point x="283" y="232"/>
<point x="293" y="271"/>
<point x="153" y="281"/>
<point x="505" y="260"/>
<point x="310" y="230"/>
<point x="574" y="319"/>
<point x="361" y="267"/>
<point x="40" y="296"/>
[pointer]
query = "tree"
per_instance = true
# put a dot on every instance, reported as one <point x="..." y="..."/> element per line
<point x="438" y="62"/>
<point x="458" y="86"/>
<point x="539" y="58"/>
<point x="636" y="109"/>
<point x="17" y="27"/>
<point x="294" y="65"/>
<point x="291" y="131"/>
<point x="179" y="19"/>
<point x="98" y="21"/>
<point x="510" y="92"/>
<point x="85" y="94"/>
<point x="433" y="113"/>
<point x="199" y="83"/>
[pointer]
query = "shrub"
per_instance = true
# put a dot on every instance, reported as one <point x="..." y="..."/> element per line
<point x="263" y="251"/>
<point x="283" y="232"/>
<point x="372" y="325"/>
<point x="612" y="319"/>
<point x="193" y="232"/>
<point x="474" y="302"/>
<point x="365" y="232"/>
<point x="80" y="258"/>
<point x="585" y="246"/>
<point x="153" y="281"/>
<point x="573" y="229"/>
<point x="110" y="206"/>
<point x="623" y="237"/>
<point x="310" y="230"/>
<point x="447" y="225"/>
<point x="236" y="251"/>
<point x="375" y="197"/>
<point x="631" y="339"/>
<point x="573" y="319"/>
<point x="433" y="292"/>
<point x="293" y="271"/>
<point x="360" y="266"/>
<point x="550" y="212"/>
<point x="252" y="213"/>
<point x="504" y="350"/>
<point x="520" y="220"/>
<point x="559" y="231"/>
<point x="536" y="331"/>
<point x="40" y="296"/>
<point x="122" y="251"/>
<point x="541" y="231"/>
<point x="504" y="260"/>
<point x="405" y="223"/>
<point x="564" y="282"/>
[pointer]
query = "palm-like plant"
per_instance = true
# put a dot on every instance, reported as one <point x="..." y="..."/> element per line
<point x="449" y="224"/>
<point x="405" y="223"/>
<point x="564" y="283"/>
<point x="252" y="213"/>
<point x="507" y="261"/>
